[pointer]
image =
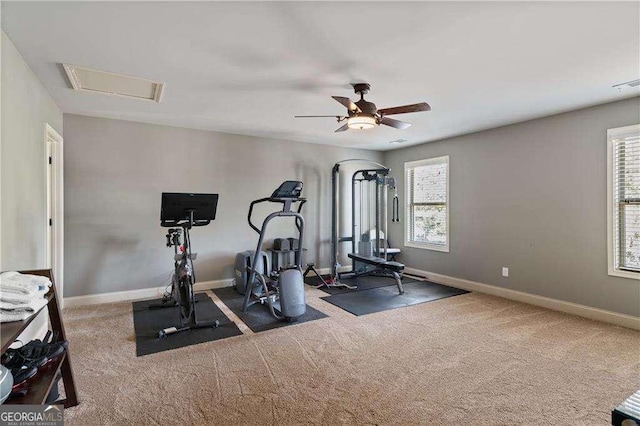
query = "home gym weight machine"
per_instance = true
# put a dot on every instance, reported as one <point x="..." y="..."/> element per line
<point x="368" y="233"/>
<point x="180" y="212"/>
<point x="283" y="290"/>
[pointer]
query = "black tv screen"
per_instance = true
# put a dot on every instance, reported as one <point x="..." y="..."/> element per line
<point x="177" y="206"/>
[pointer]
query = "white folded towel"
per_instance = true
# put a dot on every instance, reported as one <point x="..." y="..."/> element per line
<point x="22" y="289"/>
<point x="10" y="312"/>
<point x="25" y="280"/>
<point x="31" y="306"/>
<point x="20" y="294"/>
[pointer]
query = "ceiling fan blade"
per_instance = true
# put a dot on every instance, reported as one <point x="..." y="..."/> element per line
<point x="395" y="123"/>
<point x="347" y="103"/>
<point x="343" y="128"/>
<point x="423" y="106"/>
<point x="319" y="116"/>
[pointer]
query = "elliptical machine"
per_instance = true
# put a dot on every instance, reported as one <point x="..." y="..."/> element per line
<point x="282" y="291"/>
<point x="184" y="211"/>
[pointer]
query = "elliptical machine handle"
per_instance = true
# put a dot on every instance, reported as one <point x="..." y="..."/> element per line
<point x="274" y="200"/>
<point x="261" y="200"/>
<point x="298" y="222"/>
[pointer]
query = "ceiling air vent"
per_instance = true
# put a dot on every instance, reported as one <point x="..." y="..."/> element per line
<point x="632" y="83"/>
<point x="107" y="83"/>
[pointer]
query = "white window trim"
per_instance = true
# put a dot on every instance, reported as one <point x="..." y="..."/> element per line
<point x="426" y="162"/>
<point x="611" y="231"/>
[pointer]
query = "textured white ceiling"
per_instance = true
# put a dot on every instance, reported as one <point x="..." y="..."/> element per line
<point x="249" y="67"/>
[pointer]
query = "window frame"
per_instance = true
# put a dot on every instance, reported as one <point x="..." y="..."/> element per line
<point x="408" y="205"/>
<point x="612" y="231"/>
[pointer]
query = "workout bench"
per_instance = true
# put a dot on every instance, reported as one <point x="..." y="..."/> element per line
<point x="387" y="265"/>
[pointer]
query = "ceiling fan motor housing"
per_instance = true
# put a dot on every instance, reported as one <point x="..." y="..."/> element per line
<point x="367" y="107"/>
<point x="361" y="88"/>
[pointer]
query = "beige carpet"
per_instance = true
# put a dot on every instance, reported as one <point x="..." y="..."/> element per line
<point x="466" y="360"/>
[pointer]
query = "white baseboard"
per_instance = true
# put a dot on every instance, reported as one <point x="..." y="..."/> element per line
<point x="623" y="320"/>
<point x="324" y="271"/>
<point x="147" y="293"/>
<point x="327" y="271"/>
<point x="129" y="295"/>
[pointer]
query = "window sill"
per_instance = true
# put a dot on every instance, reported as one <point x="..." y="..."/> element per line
<point x="433" y="247"/>
<point x="625" y="274"/>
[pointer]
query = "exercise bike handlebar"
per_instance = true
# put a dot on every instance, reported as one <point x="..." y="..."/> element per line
<point x="285" y="208"/>
<point x="186" y="223"/>
<point x="183" y="223"/>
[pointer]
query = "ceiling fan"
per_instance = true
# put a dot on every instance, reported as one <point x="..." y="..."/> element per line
<point x="365" y="115"/>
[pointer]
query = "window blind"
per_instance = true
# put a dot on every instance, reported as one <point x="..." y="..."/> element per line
<point x="626" y="183"/>
<point x="427" y="203"/>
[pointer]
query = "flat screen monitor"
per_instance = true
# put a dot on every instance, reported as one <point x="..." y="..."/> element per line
<point x="177" y="206"/>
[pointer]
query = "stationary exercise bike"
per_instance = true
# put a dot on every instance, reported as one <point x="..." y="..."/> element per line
<point x="182" y="212"/>
<point x="282" y="291"/>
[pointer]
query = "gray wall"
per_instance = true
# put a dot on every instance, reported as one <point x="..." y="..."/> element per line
<point x="531" y="197"/>
<point x="115" y="172"/>
<point x="26" y="108"/>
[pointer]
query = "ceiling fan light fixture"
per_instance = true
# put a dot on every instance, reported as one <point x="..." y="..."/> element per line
<point x="361" y="122"/>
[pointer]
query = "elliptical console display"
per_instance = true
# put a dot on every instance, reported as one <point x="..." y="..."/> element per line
<point x="290" y="189"/>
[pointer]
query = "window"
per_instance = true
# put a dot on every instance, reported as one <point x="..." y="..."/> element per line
<point x="427" y="203"/>
<point x="624" y="201"/>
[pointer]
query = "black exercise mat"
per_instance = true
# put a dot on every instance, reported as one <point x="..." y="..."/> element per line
<point x="258" y="318"/>
<point x="148" y="322"/>
<point x="385" y="298"/>
<point x="363" y="283"/>
<point x="313" y="280"/>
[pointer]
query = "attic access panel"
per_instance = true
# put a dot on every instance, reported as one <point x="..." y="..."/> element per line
<point x="107" y="83"/>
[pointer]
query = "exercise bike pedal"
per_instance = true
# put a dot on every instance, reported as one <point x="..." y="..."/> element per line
<point x="167" y="331"/>
<point x="172" y="330"/>
<point x="214" y="324"/>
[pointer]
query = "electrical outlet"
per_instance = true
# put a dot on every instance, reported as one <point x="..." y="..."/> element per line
<point x="505" y="271"/>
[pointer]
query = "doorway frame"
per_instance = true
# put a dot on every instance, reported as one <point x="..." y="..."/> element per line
<point x="54" y="206"/>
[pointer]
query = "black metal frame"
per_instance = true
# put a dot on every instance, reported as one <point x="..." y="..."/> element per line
<point x="184" y="277"/>
<point x="367" y="176"/>
<point x="286" y="211"/>
<point x="335" y="238"/>
<point x="382" y="267"/>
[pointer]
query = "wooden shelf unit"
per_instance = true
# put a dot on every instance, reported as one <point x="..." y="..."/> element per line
<point x="39" y="386"/>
